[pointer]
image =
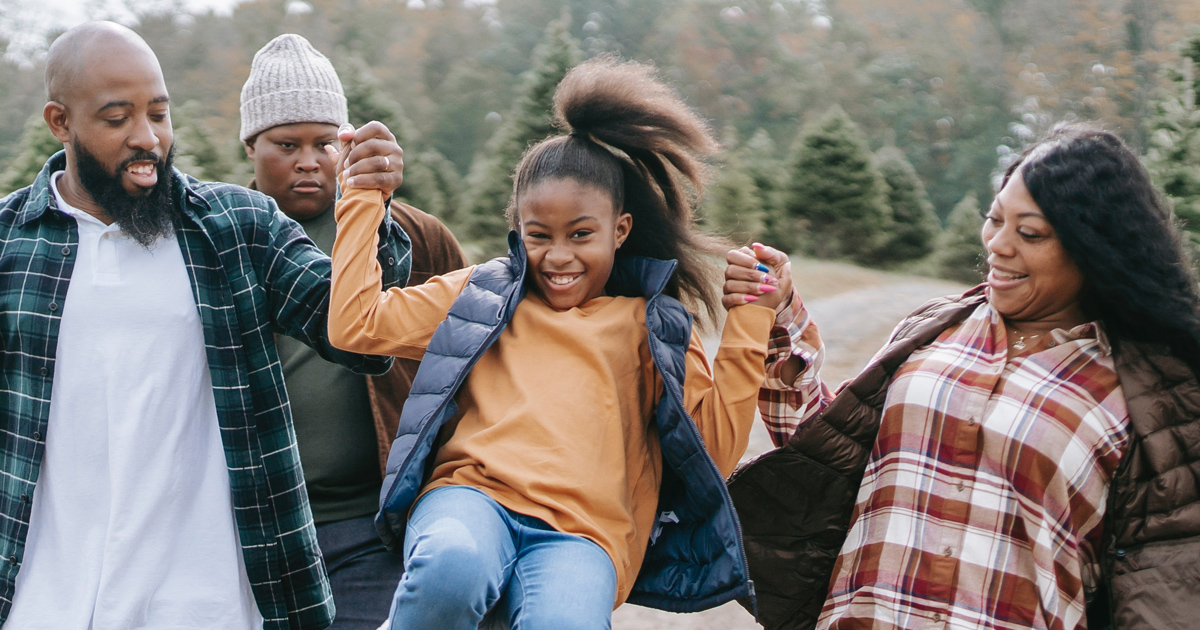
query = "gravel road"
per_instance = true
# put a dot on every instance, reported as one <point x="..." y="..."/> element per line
<point x="855" y="310"/>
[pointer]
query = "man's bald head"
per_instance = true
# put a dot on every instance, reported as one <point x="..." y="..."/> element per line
<point x="74" y="53"/>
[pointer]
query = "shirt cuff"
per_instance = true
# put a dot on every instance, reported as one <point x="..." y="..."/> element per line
<point x="787" y="341"/>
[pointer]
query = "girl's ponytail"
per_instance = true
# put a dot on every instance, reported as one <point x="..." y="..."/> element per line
<point x="633" y="137"/>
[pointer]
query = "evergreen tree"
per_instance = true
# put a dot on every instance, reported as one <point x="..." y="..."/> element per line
<point x="489" y="184"/>
<point x="1174" y="153"/>
<point x="915" y="224"/>
<point x="37" y="144"/>
<point x="960" y="253"/>
<point x="733" y="205"/>
<point x="836" y="189"/>
<point x="196" y="151"/>
<point x="366" y="101"/>
<point x="432" y="184"/>
<point x="465" y="111"/>
<point x="761" y="160"/>
<point x="430" y="181"/>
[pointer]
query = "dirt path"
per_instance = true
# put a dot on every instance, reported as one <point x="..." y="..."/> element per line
<point x="856" y="310"/>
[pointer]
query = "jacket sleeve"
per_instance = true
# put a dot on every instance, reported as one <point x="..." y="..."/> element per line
<point x="297" y="281"/>
<point x="364" y="315"/>
<point x="721" y="399"/>
<point x="793" y="391"/>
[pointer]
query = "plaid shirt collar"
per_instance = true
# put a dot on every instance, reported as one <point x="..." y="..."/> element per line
<point x="41" y="197"/>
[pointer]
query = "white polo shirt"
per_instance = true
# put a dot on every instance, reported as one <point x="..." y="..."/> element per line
<point x="132" y="521"/>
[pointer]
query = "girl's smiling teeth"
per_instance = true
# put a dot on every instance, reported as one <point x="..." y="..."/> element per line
<point x="561" y="280"/>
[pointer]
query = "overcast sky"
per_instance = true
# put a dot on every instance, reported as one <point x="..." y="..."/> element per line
<point x="24" y="22"/>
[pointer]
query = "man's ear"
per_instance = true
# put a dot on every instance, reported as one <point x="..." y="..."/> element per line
<point x="55" y="115"/>
<point x="249" y="146"/>
<point x="624" y="226"/>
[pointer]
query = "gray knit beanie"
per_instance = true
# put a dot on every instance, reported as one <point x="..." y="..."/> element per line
<point x="290" y="82"/>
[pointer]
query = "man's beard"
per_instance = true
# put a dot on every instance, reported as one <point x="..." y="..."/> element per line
<point x="146" y="218"/>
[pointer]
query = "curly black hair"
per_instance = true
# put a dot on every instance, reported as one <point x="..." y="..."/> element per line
<point x="1138" y="280"/>
<point x="633" y="137"/>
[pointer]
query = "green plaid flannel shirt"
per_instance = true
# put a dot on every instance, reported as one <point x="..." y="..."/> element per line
<point x="254" y="274"/>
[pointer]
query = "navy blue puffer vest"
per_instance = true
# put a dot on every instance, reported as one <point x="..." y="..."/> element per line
<point x="695" y="560"/>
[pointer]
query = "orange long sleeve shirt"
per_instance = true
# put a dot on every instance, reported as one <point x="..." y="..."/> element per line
<point x="556" y="419"/>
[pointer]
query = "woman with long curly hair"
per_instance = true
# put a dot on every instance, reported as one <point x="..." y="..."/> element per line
<point x="1025" y="455"/>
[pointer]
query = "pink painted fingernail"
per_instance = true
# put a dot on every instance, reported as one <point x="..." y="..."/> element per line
<point x="766" y="288"/>
<point x="350" y="183"/>
<point x="767" y="278"/>
<point x="751" y="298"/>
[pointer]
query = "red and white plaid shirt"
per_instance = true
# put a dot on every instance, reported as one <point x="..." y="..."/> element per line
<point x="783" y="405"/>
<point x="985" y="491"/>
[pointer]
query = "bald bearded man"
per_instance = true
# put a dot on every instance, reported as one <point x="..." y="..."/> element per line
<point x="150" y="476"/>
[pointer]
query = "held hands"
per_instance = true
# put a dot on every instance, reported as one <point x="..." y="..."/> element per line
<point x="760" y="275"/>
<point x="370" y="158"/>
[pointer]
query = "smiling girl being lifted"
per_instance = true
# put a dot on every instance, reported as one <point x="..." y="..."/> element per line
<point x="566" y="441"/>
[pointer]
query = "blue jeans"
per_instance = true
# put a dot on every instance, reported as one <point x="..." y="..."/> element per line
<point x="464" y="553"/>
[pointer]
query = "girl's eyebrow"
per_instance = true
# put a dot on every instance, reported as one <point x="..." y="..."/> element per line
<point x="571" y="222"/>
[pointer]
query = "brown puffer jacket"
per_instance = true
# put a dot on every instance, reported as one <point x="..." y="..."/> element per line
<point x="1151" y="561"/>
<point x="795" y="502"/>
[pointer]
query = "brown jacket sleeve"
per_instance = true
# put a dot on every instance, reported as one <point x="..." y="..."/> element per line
<point x="435" y="251"/>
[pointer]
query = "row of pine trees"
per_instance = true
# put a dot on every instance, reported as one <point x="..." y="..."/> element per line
<point x="831" y="197"/>
<point x="823" y="193"/>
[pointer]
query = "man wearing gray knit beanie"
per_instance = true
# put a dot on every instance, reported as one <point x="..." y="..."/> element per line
<point x="292" y="106"/>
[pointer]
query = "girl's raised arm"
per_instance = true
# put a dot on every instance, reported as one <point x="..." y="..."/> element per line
<point x="362" y="316"/>
<point x="778" y="370"/>
<point x="721" y="400"/>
